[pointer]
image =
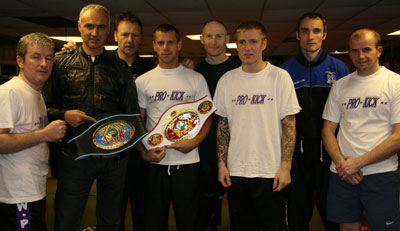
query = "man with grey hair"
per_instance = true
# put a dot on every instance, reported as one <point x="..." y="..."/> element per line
<point x="88" y="84"/>
<point x="24" y="131"/>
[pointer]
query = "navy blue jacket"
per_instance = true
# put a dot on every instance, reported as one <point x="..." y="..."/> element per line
<point x="312" y="81"/>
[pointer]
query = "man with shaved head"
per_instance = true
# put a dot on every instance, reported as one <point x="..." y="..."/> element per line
<point x="214" y="38"/>
<point x="364" y="171"/>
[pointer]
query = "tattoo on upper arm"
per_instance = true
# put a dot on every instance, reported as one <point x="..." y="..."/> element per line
<point x="223" y="137"/>
<point x="288" y="137"/>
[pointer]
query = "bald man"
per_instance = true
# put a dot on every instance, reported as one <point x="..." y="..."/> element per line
<point x="214" y="38"/>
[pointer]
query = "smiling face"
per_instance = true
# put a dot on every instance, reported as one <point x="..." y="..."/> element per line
<point x="311" y="34"/>
<point x="364" y="53"/>
<point x="167" y="47"/>
<point x="128" y="37"/>
<point x="214" y="38"/>
<point x="250" y="46"/>
<point x="36" y="65"/>
<point x="94" y="28"/>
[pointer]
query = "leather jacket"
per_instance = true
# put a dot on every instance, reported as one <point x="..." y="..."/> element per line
<point x="99" y="88"/>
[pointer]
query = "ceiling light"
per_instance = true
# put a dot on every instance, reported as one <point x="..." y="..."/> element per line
<point x="193" y="36"/>
<point x="228" y="54"/>
<point x="147" y="56"/>
<point x="231" y="45"/>
<point x="338" y="52"/>
<point x="111" y="47"/>
<point x="395" y="33"/>
<point x="76" y="39"/>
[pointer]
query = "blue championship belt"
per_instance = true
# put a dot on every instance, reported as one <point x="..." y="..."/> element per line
<point x="180" y="121"/>
<point x="107" y="136"/>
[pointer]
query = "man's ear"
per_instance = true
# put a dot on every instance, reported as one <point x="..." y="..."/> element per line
<point x="20" y="62"/>
<point x="297" y="35"/>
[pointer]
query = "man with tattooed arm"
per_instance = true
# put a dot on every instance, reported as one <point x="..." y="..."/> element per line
<point x="256" y="134"/>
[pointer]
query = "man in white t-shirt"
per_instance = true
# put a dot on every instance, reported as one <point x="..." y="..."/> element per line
<point x="24" y="131"/>
<point x="176" y="175"/>
<point x="256" y="134"/>
<point x="364" y="172"/>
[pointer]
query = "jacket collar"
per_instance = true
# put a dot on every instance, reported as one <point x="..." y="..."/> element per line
<point x="82" y="52"/>
<point x="303" y="61"/>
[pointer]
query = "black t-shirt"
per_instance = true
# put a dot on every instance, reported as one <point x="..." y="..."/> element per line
<point x="212" y="73"/>
<point x="139" y="66"/>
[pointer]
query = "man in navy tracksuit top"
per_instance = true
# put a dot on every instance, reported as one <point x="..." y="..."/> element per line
<point x="313" y="72"/>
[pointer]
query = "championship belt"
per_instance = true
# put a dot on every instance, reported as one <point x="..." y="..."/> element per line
<point x="180" y="121"/>
<point x="107" y="136"/>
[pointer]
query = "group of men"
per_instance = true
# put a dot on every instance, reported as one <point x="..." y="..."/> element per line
<point x="253" y="146"/>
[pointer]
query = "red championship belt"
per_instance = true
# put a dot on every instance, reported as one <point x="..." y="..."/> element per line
<point x="180" y="121"/>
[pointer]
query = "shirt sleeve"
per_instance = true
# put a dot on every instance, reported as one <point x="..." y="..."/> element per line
<point x="8" y="111"/>
<point x="141" y="92"/>
<point x="395" y="100"/>
<point x="219" y="97"/>
<point x="202" y="88"/>
<point x="331" y="110"/>
<point x="289" y="103"/>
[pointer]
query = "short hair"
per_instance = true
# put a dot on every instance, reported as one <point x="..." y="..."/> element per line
<point x="361" y="33"/>
<point x="216" y="21"/>
<point x="312" y="15"/>
<point x="38" y="39"/>
<point x="128" y="17"/>
<point x="97" y="8"/>
<point x="167" y="28"/>
<point x="248" y="25"/>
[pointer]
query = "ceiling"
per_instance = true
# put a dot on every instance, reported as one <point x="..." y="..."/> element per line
<point x="58" y="17"/>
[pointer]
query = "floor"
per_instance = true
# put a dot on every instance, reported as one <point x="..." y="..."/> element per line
<point x="89" y="219"/>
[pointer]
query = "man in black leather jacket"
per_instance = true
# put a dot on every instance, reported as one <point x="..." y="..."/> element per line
<point x="86" y="85"/>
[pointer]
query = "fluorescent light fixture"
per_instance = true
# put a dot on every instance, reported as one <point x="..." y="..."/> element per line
<point x="231" y="45"/>
<point x="76" y="39"/>
<point x="338" y="52"/>
<point x="395" y="33"/>
<point x="228" y="54"/>
<point x="111" y="47"/>
<point x="147" y="56"/>
<point x="193" y="36"/>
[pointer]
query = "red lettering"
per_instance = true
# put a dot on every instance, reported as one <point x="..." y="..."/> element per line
<point x="121" y="135"/>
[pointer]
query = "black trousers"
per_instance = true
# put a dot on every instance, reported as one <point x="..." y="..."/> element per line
<point x="254" y="206"/>
<point x="75" y="178"/>
<point x="310" y="179"/>
<point x="23" y="216"/>
<point x="179" y="184"/>
<point x="134" y="191"/>
<point x="211" y="191"/>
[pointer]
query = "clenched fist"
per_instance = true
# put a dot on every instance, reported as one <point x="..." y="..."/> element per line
<point x="55" y="130"/>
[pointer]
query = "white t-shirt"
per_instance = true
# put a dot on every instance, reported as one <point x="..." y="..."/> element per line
<point x="255" y="104"/>
<point x="366" y="107"/>
<point x="23" y="174"/>
<point x="158" y="89"/>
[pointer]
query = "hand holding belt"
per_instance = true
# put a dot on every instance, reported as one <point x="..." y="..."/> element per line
<point x="180" y="121"/>
<point x="107" y="136"/>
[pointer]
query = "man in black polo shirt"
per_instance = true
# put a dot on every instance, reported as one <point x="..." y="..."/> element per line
<point x="128" y="34"/>
<point x="214" y="38"/>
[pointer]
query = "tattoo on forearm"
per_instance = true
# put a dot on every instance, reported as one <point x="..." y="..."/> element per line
<point x="223" y="137"/>
<point x="288" y="137"/>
